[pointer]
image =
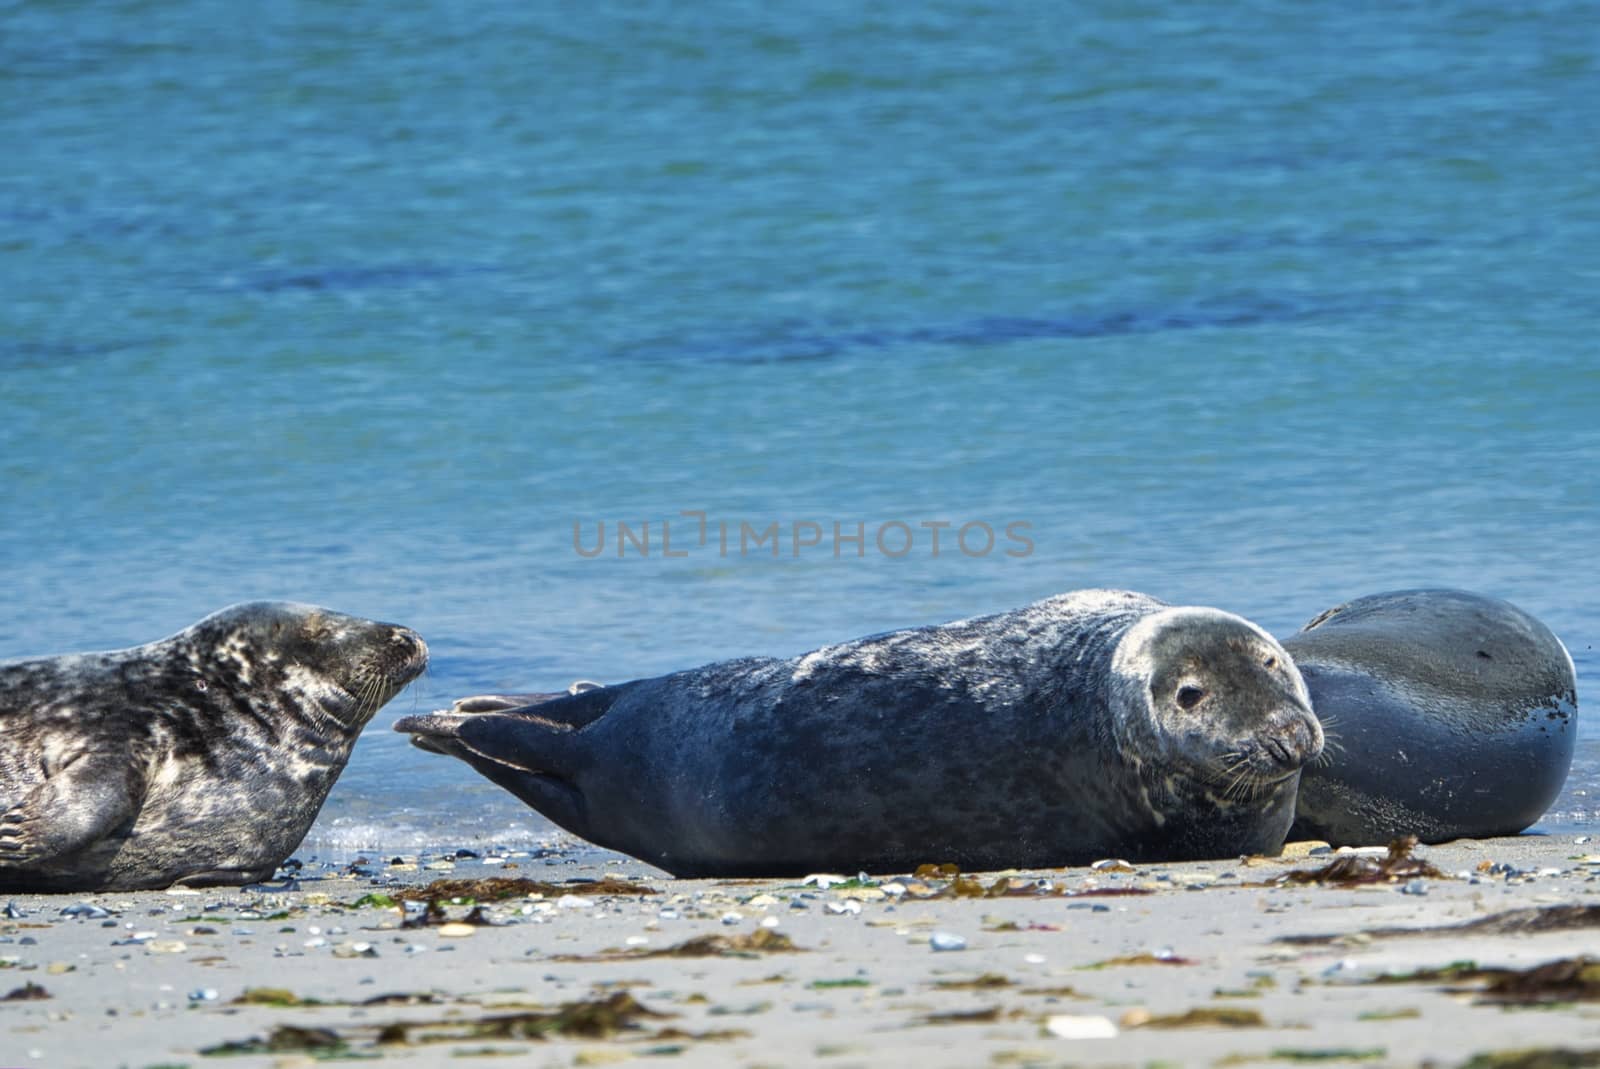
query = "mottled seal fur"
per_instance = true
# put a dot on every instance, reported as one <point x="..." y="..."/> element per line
<point x="1093" y="724"/>
<point x="199" y="759"/>
<point x="1449" y="715"/>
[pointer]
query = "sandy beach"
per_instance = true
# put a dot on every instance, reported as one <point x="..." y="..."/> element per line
<point x="1215" y="963"/>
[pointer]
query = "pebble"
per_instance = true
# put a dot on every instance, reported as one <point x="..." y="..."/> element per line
<point x="84" y="909"/>
<point x="732" y="918"/>
<point x="166" y="946"/>
<point x="849" y="905"/>
<point x="1414" y="887"/>
<point x="355" y="950"/>
<point x="13" y="912"/>
<point x="1074" y="1026"/>
<point x="1111" y="864"/>
<point x="769" y="922"/>
<point x="946" y="941"/>
<point x="825" y="880"/>
<point x="204" y="994"/>
<point x="572" y="902"/>
<point x="457" y="930"/>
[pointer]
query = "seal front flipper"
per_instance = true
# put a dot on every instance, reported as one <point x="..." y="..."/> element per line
<point x="79" y="803"/>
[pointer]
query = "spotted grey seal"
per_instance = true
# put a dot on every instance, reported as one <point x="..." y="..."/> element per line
<point x="1449" y="715"/>
<point x="1087" y="725"/>
<point x="199" y="759"/>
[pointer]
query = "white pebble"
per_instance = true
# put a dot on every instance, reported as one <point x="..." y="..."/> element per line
<point x="769" y="922"/>
<point x="1034" y="959"/>
<point x="572" y="902"/>
<point x="732" y="918"/>
<point x="1074" y="1026"/>
<point x="946" y="941"/>
<point x="825" y="880"/>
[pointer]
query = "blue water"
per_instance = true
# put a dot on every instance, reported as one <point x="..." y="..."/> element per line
<point x="1255" y="306"/>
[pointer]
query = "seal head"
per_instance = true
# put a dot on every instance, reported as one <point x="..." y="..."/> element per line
<point x="201" y="758"/>
<point x="1215" y="718"/>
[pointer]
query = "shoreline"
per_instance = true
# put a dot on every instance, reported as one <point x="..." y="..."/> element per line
<point x="1185" y="963"/>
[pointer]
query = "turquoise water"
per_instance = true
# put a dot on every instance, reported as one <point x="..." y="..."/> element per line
<point x="1255" y="306"/>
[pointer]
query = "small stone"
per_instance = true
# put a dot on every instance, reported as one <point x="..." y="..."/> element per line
<point x="58" y="968"/>
<point x="355" y="950"/>
<point x="946" y="941"/>
<point x="572" y="902"/>
<point x="1111" y="864"/>
<point x="1034" y="959"/>
<point x="457" y="930"/>
<point x="204" y="994"/>
<point x="84" y="909"/>
<point x="1073" y="1026"/>
<point x="313" y="944"/>
<point x="166" y="946"/>
<point x="769" y="922"/>
<point x="763" y="900"/>
<point x="850" y="905"/>
<point x="14" y="912"/>
<point x="1414" y="887"/>
<point x="731" y="919"/>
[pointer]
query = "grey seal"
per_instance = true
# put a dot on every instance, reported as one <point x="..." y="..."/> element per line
<point x="1449" y="714"/>
<point x="1092" y="724"/>
<point x="199" y="759"/>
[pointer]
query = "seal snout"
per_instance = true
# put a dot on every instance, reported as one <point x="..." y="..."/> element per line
<point x="1294" y="742"/>
<point x="411" y="653"/>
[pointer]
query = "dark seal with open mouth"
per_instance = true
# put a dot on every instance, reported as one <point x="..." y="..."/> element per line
<point x="1450" y="715"/>
<point x="199" y="759"/>
<point x="1093" y="724"/>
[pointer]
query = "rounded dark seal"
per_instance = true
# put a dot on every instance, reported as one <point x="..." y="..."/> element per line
<point x="1448" y="714"/>
<point x="199" y="759"/>
<point x="1093" y="724"/>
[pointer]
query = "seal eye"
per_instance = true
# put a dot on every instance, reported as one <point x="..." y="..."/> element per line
<point x="1189" y="697"/>
<point x="1270" y="662"/>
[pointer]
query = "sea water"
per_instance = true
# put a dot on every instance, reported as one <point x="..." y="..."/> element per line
<point x="448" y="314"/>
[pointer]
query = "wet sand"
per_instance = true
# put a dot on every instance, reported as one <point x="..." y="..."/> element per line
<point x="1183" y="964"/>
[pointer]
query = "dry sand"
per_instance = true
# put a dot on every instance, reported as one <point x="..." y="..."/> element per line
<point x="1042" y="977"/>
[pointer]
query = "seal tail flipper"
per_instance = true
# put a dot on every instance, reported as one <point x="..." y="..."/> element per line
<point x="534" y="750"/>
